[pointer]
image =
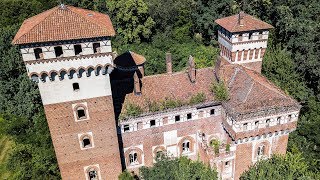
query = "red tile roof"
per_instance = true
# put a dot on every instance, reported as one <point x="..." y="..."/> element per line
<point x="250" y="91"/>
<point x="231" y="23"/>
<point x="176" y="86"/>
<point x="64" y="23"/>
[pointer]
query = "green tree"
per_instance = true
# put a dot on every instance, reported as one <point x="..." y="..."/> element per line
<point x="291" y="166"/>
<point x="179" y="169"/>
<point x="131" y="19"/>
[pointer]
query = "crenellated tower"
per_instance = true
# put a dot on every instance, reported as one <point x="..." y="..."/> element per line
<point x="67" y="51"/>
<point x="243" y="40"/>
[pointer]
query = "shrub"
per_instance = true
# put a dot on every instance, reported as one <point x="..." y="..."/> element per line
<point x="198" y="98"/>
<point x="215" y="144"/>
<point x="220" y="91"/>
<point x="131" y="110"/>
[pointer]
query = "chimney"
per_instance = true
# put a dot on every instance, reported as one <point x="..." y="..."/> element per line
<point x="241" y="16"/>
<point x="169" y="63"/>
<point x="191" y="69"/>
<point x="137" y="85"/>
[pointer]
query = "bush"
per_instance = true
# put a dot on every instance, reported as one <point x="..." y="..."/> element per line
<point x="220" y="91"/>
<point x="198" y="98"/>
<point x="131" y="110"/>
<point x="125" y="175"/>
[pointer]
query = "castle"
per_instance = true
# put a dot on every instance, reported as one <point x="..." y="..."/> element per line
<point x="86" y="89"/>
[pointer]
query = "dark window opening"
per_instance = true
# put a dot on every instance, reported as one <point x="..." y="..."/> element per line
<point x="126" y="128"/>
<point x="227" y="163"/>
<point x="38" y="53"/>
<point x="245" y="126"/>
<point x="58" y="51"/>
<point x="152" y="123"/>
<point x="96" y="48"/>
<point x="75" y="86"/>
<point x="268" y="122"/>
<point x="278" y="120"/>
<point x="250" y="35"/>
<point x="256" y="124"/>
<point x="212" y="112"/>
<point x="133" y="157"/>
<point x="260" y="150"/>
<point x="77" y="49"/>
<point x="93" y="175"/>
<point x="189" y="116"/>
<point x="86" y="142"/>
<point x="81" y="113"/>
<point x="289" y="117"/>
<point x="177" y="118"/>
<point x="186" y="146"/>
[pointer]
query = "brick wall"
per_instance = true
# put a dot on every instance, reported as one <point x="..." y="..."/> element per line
<point x="243" y="158"/>
<point x="280" y="144"/>
<point x="64" y="132"/>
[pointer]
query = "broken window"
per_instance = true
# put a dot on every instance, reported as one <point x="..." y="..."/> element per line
<point x="58" y="51"/>
<point x="177" y="118"/>
<point x="96" y="48"/>
<point x="86" y="142"/>
<point x="189" y="116"/>
<point x="133" y="158"/>
<point x="81" y="113"/>
<point x="185" y="146"/>
<point x="77" y="49"/>
<point x="38" y="53"/>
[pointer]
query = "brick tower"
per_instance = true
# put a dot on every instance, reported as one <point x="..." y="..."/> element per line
<point x="67" y="51"/>
<point x="243" y="40"/>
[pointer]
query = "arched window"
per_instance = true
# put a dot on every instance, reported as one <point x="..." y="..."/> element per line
<point x="86" y="143"/>
<point x="133" y="158"/>
<point x="81" y="113"/>
<point x="261" y="150"/>
<point x="186" y="146"/>
<point x="93" y="174"/>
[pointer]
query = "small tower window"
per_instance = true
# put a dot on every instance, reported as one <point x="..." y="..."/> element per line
<point x="227" y="163"/>
<point x="86" y="142"/>
<point x="212" y="112"/>
<point x="38" y="53"/>
<point x="58" y="51"/>
<point x="96" y="48"/>
<point x="289" y="117"/>
<point x="152" y="123"/>
<point x="250" y="35"/>
<point x="260" y="151"/>
<point x="76" y="86"/>
<point x="256" y="124"/>
<point x="245" y="126"/>
<point x="133" y="158"/>
<point x="268" y="122"/>
<point x="92" y="174"/>
<point x="77" y="49"/>
<point x="81" y="113"/>
<point x="185" y="146"/>
<point x="126" y="128"/>
<point x="177" y="118"/>
<point x="189" y="116"/>
<point x="279" y="120"/>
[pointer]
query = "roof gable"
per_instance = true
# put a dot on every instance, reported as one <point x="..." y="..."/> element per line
<point x="64" y="23"/>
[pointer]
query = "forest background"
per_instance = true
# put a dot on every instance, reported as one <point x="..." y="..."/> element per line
<point x="152" y="28"/>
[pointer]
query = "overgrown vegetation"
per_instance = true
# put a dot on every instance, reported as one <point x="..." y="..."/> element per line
<point x="220" y="91"/>
<point x="182" y="27"/>
<point x="216" y="146"/>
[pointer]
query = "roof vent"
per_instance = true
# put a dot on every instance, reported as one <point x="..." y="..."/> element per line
<point x="62" y="6"/>
<point x="241" y="16"/>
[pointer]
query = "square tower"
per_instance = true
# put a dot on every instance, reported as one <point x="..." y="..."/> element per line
<point x="67" y="51"/>
<point x="243" y="40"/>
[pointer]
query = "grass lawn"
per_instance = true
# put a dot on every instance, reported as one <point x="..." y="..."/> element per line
<point x="5" y="147"/>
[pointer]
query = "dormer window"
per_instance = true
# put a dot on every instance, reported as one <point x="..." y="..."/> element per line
<point x="77" y="49"/>
<point x="58" y="51"/>
<point x="38" y="53"/>
<point x="96" y="48"/>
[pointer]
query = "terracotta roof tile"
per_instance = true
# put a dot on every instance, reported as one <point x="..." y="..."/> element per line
<point x="66" y="23"/>
<point x="175" y="86"/>
<point x="231" y="23"/>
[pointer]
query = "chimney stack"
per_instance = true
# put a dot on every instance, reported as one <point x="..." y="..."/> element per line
<point x="191" y="69"/>
<point x="241" y="16"/>
<point x="169" y="63"/>
<point x="137" y="85"/>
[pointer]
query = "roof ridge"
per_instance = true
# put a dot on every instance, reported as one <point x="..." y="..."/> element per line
<point x="175" y="73"/>
<point x="49" y="11"/>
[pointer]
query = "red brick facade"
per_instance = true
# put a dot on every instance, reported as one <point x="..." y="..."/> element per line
<point x="64" y="132"/>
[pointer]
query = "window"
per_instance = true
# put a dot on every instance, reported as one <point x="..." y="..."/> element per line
<point x="256" y="124"/>
<point x="152" y="123"/>
<point x="289" y="117"/>
<point x="177" y="118"/>
<point x="279" y="120"/>
<point x="268" y="122"/>
<point x="245" y="126"/>
<point x="92" y="174"/>
<point x="240" y="37"/>
<point x="250" y="35"/>
<point x="260" y="151"/>
<point x="86" y="142"/>
<point x="58" y="51"/>
<point x="96" y="48"/>
<point x="212" y="112"/>
<point x="185" y="146"/>
<point x="227" y="163"/>
<point x="77" y="49"/>
<point x="81" y="113"/>
<point x="133" y="158"/>
<point x="75" y="86"/>
<point x="126" y="128"/>
<point x="189" y="116"/>
<point x="38" y="53"/>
